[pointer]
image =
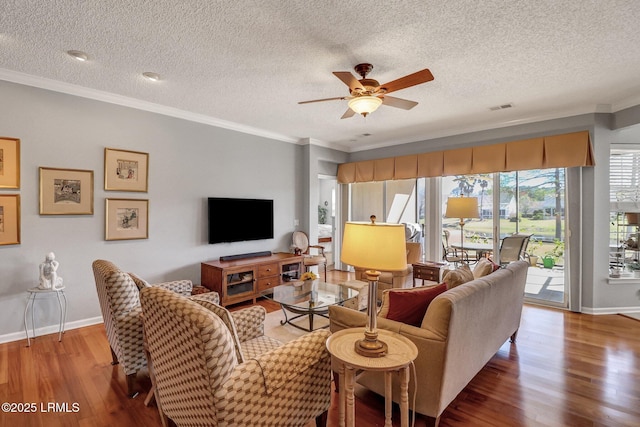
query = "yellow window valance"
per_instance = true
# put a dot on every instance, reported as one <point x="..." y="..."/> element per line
<point x="566" y="150"/>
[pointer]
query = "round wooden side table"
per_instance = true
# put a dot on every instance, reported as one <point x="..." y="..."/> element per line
<point x="398" y="358"/>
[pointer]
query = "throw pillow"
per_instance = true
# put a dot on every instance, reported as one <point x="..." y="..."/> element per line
<point x="482" y="268"/>
<point x="495" y="266"/>
<point x="384" y="306"/>
<point x="458" y="276"/>
<point x="410" y="307"/>
<point x="140" y="283"/>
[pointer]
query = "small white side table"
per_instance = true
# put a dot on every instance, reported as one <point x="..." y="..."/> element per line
<point x="401" y="352"/>
<point x="33" y="293"/>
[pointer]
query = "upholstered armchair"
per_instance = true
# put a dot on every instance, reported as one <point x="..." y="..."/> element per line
<point x="246" y="327"/>
<point x="120" y="305"/>
<point x="396" y="279"/>
<point x="200" y="381"/>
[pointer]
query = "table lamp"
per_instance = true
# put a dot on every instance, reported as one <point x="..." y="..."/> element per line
<point x="373" y="247"/>
<point x="462" y="207"/>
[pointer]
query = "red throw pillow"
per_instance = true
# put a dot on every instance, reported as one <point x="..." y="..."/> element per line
<point x="410" y="307"/>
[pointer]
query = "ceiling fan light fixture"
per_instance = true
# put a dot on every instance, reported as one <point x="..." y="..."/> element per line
<point x="365" y="104"/>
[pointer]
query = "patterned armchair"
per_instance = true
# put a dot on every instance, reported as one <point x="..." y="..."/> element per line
<point x="120" y="305"/>
<point x="200" y="380"/>
<point x="246" y="327"/>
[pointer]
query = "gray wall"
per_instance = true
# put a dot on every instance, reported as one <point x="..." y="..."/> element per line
<point x="188" y="162"/>
<point x="589" y="189"/>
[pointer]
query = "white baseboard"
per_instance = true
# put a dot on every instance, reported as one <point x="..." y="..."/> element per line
<point x="610" y="310"/>
<point x="52" y="329"/>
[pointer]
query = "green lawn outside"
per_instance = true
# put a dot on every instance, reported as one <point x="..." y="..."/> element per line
<point x="542" y="229"/>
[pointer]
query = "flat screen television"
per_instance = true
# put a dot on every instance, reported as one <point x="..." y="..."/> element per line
<point x="237" y="220"/>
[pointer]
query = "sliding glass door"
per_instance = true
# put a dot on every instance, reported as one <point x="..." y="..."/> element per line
<point x="525" y="202"/>
<point x="535" y="205"/>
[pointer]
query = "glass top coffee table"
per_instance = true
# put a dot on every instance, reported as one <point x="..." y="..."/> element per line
<point x="311" y="298"/>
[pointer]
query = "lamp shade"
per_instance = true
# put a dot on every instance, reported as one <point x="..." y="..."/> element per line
<point x="462" y="207"/>
<point x="374" y="246"/>
<point x="364" y="104"/>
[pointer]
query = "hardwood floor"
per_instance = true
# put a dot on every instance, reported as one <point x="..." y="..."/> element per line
<point x="566" y="369"/>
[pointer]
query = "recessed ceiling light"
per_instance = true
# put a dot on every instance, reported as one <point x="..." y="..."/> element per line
<point x="154" y="77"/>
<point x="78" y="55"/>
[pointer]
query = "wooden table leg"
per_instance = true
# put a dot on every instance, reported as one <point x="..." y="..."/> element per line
<point x="404" y="397"/>
<point x="388" y="397"/>
<point x="341" y="395"/>
<point x="349" y="396"/>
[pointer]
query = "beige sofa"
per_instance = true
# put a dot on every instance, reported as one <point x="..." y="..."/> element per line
<point x="461" y="330"/>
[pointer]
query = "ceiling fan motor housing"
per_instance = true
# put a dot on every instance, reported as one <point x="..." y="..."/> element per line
<point x="363" y="69"/>
<point x="370" y="87"/>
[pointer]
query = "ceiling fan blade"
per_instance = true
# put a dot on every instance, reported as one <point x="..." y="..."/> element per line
<point x="398" y="102"/>
<point x="349" y="79"/>
<point x="408" y="81"/>
<point x="338" y="98"/>
<point x="348" y="113"/>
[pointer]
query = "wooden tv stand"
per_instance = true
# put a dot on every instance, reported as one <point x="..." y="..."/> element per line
<point x="245" y="279"/>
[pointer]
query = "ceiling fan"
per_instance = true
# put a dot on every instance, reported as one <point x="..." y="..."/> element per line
<point x="366" y="95"/>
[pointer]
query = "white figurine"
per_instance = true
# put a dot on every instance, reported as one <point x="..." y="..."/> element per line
<point x="48" y="276"/>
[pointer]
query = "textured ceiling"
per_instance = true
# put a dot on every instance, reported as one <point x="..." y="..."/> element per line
<point x="245" y="64"/>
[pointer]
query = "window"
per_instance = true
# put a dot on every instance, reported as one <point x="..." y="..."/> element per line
<point x="624" y="199"/>
<point x="390" y="201"/>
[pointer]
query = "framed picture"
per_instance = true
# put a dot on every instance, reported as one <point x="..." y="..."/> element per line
<point x="9" y="162"/>
<point x="9" y="219"/>
<point x="66" y="191"/>
<point x="125" y="170"/>
<point x="126" y="219"/>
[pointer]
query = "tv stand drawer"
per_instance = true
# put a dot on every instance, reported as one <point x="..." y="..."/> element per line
<point x="267" y="270"/>
<point x="268" y="283"/>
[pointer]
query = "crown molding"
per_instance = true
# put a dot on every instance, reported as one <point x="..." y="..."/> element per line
<point x="628" y="102"/>
<point x="84" y="92"/>
<point x="111" y="98"/>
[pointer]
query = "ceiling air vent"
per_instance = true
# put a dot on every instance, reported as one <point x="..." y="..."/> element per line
<point x="501" y="107"/>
